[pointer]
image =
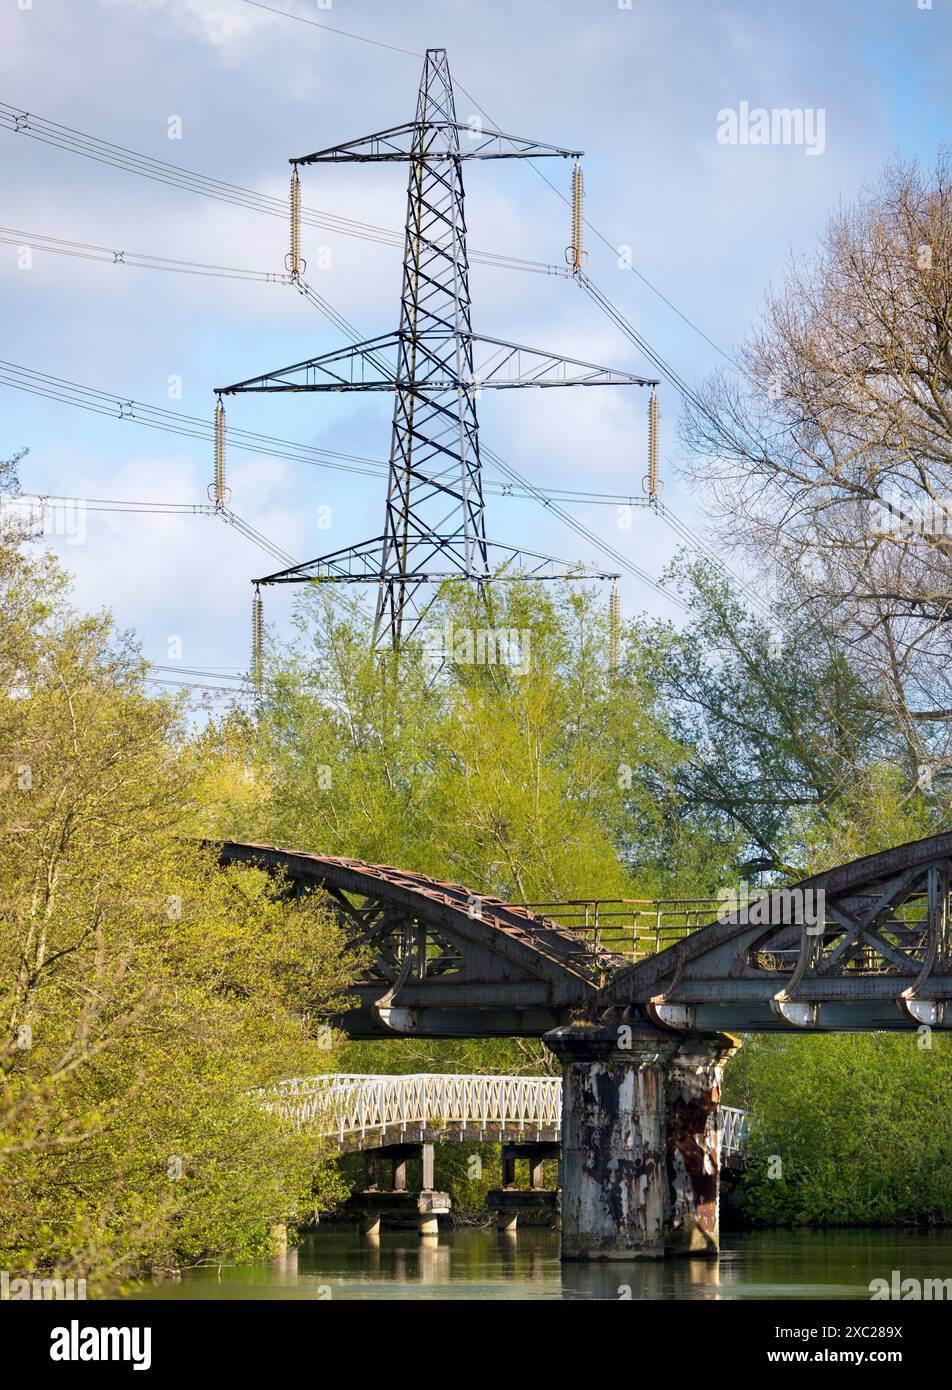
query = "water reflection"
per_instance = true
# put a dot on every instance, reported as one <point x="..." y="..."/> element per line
<point x="338" y="1262"/>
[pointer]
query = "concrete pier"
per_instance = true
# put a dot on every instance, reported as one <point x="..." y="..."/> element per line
<point x="613" y="1149"/>
<point x="692" y="1140"/>
<point x="510" y="1201"/>
<point x="394" y="1202"/>
<point x="639" y="1141"/>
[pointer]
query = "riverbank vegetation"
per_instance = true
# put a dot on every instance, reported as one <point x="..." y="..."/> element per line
<point x="851" y="1130"/>
<point x="145" y="993"/>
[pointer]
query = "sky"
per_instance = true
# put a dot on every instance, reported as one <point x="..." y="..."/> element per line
<point x="696" y="229"/>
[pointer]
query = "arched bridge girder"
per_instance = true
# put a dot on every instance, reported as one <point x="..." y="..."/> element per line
<point x="865" y="946"/>
<point x="443" y="961"/>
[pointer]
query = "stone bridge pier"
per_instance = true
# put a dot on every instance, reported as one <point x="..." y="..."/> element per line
<point x="640" y="1140"/>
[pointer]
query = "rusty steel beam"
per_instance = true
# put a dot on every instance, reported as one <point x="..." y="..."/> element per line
<point x="449" y="962"/>
<point x="874" y="957"/>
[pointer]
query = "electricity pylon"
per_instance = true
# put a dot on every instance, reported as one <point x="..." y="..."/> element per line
<point x="435" y="526"/>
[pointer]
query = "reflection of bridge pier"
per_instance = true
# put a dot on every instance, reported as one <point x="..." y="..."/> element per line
<point x="641" y="1141"/>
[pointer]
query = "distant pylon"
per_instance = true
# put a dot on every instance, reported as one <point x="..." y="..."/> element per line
<point x="434" y="526"/>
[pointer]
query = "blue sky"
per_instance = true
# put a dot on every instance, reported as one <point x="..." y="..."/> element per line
<point x="639" y="89"/>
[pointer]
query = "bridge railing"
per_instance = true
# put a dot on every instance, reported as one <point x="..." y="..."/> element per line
<point x="344" y="1107"/>
<point x="341" y="1107"/>
<point x="735" y="1127"/>
<point x="633" y="928"/>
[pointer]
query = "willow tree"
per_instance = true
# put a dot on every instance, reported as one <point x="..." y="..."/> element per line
<point x="502" y="751"/>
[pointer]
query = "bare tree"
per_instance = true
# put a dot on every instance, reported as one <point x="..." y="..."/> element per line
<point x="830" y="448"/>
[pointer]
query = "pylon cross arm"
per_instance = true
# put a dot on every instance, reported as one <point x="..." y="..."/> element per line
<point x="439" y="558"/>
<point x="435" y="140"/>
<point x="497" y="365"/>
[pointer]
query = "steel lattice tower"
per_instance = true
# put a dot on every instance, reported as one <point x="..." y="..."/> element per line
<point x="435" y="493"/>
<point x="435" y="365"/>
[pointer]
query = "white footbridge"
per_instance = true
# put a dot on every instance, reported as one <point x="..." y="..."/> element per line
<point x="354" y="1112"/>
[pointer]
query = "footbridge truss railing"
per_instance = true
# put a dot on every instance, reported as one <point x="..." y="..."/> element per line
<point x="365" y="1111"/>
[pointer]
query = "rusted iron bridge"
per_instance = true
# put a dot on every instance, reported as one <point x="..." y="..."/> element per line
<point x="641" y="1002"/>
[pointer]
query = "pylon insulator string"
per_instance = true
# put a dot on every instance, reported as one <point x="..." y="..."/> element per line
<point x="614" y="614"/>
<point x="257" y="640"/>
<point x="574" y="255"/>
<point x="219" y="485"/>
<point x="293" y="261"/>
<point x="653" y="422"/>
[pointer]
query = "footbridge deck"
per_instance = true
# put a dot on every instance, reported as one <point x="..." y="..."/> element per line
<point x="360" y="1112"/>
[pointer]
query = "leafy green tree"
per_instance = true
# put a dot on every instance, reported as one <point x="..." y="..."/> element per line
<point x="779" y="725"/>
<point x="146" y="995"/>
<point x="532" y="778"/>
<point x="845" y="1129"/>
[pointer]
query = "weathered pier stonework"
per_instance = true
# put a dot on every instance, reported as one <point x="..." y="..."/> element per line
<point x="693" y="1144"/>
<point x="640" y="1141"/>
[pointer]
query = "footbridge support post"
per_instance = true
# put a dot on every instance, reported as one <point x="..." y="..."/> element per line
<point x="640" y="1141"/>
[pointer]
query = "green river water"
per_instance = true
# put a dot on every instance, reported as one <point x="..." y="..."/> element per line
<point x="338" y="1263"/>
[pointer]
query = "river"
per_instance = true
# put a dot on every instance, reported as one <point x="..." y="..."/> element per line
<point x="338" y="1263"/>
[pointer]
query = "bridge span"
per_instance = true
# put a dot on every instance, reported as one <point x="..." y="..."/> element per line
<point x="357" y="1112"/>
<point x="642" y="1032"/>
<point x="864" y="946"/>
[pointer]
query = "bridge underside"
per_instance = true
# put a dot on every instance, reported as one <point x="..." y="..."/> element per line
<point x="450" y="1132"/>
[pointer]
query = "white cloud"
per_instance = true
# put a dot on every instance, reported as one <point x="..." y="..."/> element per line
<point x="224" y="24"/>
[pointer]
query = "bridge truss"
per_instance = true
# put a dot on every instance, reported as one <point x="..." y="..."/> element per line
<point x="864" y="946"/>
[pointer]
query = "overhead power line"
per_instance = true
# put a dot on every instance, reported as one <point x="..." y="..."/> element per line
<point x="139" y="260"/>
<point x="35" y="127"/>
<point x="331" y="29"/>
<point x="176" y="422"/>
<point x="43" y="501"/>
<point x="680" y="528"/>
